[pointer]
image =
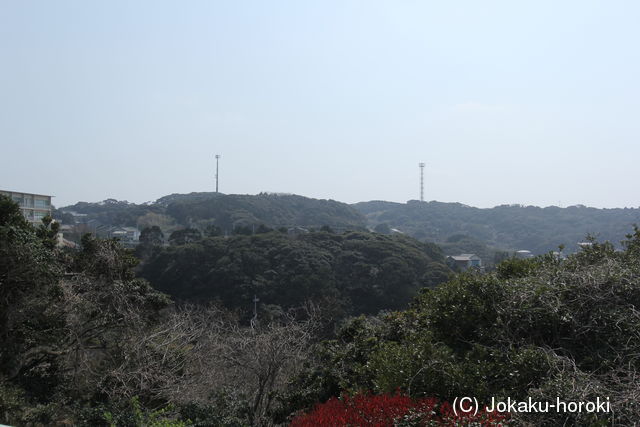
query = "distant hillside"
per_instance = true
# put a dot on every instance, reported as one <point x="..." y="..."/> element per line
<point x="509" y="227"/>
<point x="107" y="212"/>
<point x="456" y="227"/>
<point x="224" y="211"/>
<point x="273" y="210"/>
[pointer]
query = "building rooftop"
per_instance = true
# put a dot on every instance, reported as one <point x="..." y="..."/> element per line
<point x="25" y="192"/>
<point x="464" y="257"/>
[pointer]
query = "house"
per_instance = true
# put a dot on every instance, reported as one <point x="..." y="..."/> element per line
<point x="34" y="207"/>
<point x="524" y="254"/>
<point x="130" y="235"/>
<point x="78" y="218"/>
<point x="463" y="262"/>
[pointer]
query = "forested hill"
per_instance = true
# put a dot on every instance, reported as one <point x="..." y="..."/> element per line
<point x="354" y="272"/>
<point x="510" y="227"/>
<point x="273" y="210"/>
<point x="455" y="226"/>
<point x="224" y="211"/>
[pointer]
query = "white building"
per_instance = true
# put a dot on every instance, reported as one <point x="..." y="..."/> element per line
<point x="34" y="207"/>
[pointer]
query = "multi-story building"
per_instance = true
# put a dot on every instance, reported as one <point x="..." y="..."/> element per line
<point x="34" y="207"/>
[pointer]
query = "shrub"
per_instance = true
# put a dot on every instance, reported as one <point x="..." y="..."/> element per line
<point x="390" y="410"/>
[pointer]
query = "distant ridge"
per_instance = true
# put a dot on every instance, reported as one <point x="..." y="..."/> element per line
<point x="510" y="227"/>
<point x="226" y="211"/>
<point x="505" y="227"/>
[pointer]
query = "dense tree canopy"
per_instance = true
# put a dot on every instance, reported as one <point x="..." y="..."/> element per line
<point x="506" y="227"/>
<point x="273" y="210"/>
<point x="458" y="228"/>
<point x="540" y="328"/>
<point x="109" y="212"/>
<point x="30" y="305"/>
<point x="224" y="212"/>
<point x="362" y="272"/>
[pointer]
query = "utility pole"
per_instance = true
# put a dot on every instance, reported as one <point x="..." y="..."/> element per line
<point x="421" y="181"/>
<point x="217" y="159"/>
<point x="254" y="320"/>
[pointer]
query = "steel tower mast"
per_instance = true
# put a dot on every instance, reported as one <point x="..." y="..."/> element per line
<point x="217" y="159"/>
<point x="421" y="181"/>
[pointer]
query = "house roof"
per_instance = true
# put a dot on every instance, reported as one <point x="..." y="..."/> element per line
<point x="22" y="192"/>
<point x="464" y="257"/>
<point x="122" y="229"/>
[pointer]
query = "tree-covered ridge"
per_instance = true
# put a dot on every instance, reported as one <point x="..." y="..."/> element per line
<point x="457" y="227"/>
<point x="359" y="272"/>
<point x="273" y="210"/>
<point x="227" y="212"/>
<point x="509" y="227"/>
<point x="108" y="212"/>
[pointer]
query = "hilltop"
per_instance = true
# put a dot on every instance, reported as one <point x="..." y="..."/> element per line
<point x="226" y="211"/>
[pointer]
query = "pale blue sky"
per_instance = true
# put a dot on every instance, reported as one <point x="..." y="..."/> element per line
<point x="506" y="101"/>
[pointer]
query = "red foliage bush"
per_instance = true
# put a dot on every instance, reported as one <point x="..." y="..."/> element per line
<point x="392" y="410"/>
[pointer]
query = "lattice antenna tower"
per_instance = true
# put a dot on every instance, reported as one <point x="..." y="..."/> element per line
<point x="217" y="159"/>
<point x="421" y="181"/>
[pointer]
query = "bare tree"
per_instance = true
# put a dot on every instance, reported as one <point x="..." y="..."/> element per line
<point x="193" y="352"/>
<point x="253" y="363"/>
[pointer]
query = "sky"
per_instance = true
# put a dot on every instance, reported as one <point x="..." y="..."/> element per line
<point x="507" y="102"/>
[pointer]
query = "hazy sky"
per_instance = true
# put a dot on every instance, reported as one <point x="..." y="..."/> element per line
<point x="505" y="101"/>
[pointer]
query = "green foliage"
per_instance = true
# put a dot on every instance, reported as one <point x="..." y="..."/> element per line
<point x="81" y="334"/>
<point x="30" y="307"/>
<point x="151" y="236"/>
<point x="48" y="232"/>
<point x="363" y="272"/>
<point x="111" y="212"/>
<point x="225" y="213"/>
<point x="273" y="210"/>
<point x="184" y="236"/>
<point x="512" y="268"/>
<point x="139" y="417"/>
<point x="64" y="317"/>
<point x="539" y="327"/>
<point x="226" y="411"/>
<point x="12" y="401"/>
<point x="150" y="241"/>
<point x="632" y="243"/>
<point x="10" y="215"/>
